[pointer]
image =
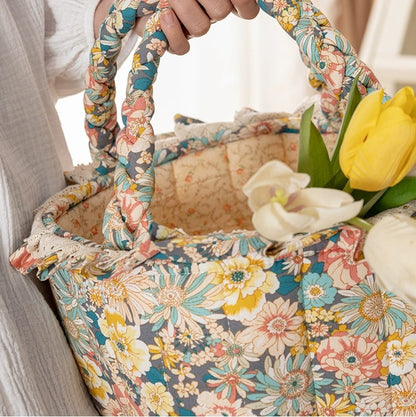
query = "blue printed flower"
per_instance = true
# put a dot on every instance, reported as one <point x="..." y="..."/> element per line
<point x="316" y="290"/>
<point x="350" y="390"/>
<point x="371" y="312"/>
<point x="285" y="388"/>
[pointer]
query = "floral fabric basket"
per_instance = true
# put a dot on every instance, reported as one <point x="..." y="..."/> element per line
<point x="203" y="316"/>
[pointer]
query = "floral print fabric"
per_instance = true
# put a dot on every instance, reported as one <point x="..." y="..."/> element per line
<point x="226" y="323"/>
<point x="217" y="323"/>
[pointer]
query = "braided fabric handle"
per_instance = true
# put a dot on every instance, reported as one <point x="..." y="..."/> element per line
<point x="333" y="62"/>
<point x="101" y="115"/>
<point x="128" y="221"/>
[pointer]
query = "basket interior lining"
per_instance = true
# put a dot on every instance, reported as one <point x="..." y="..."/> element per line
<point x="200" y="192"/>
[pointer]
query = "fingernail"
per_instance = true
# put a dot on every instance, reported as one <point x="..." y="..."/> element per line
<point x="163" y="4"/>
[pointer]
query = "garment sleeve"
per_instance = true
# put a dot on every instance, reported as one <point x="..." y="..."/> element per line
<point x="69" y="27"/>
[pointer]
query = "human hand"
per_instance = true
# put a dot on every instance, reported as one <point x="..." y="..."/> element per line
<point x="187" y="18"/>
<point x="193" y="18"/>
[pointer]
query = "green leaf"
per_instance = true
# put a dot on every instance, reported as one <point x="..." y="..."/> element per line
<point x="396" y="196"/>
<point x="313" y="155"/>
<point x="338" y="181"/>
<point x="371" y="203"/>
<point x="363" y="195"/>
<point x="354" y="99"/>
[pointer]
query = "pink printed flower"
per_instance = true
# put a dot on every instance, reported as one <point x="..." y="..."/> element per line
<point x="123" y="405"/>
<point x="22" y="260"/>
<point x="332" y="65"/>
<point x="278" y="5"/>
<point x="342" y="261"/>
<point x="354" y="357"/>
<point x="132" y="210"/>
<point x="319" y="329"/>
<point x="157" y="45"/>
<point x="329" y="102"/>
<point x="210" y="405"/>
<point x="275" y="327"/>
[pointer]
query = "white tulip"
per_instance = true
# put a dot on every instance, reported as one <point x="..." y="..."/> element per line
<point x="282" y="205"/>
<point x="272" y="178"/>
<point x="390" y="250"/>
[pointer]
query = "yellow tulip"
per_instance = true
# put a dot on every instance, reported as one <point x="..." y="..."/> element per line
<point x="379" y="147"/>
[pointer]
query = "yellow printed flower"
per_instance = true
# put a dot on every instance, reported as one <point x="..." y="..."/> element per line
<point x="333" y="407"/>
<point x="153" y="24"/>
<point x="288" y="18"/>
<point x="403" y="396"/>
<point x="400" y="355"/>
<point x="116" y="19"/>
<point x="311" y="315"/>
<point x="325" y="315"/>
<point x="165" y="351"/>
<point x="244" y="284"/>
<point x="93" y="378"/>
<point x="157" y="398"/>
<point x="379" y="147"/>
<point x="97" y="55"/>
<point x="123" y="343"/>
<point x="137" y="62"/>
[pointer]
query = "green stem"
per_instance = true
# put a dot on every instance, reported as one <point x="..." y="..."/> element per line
<point x="370" y="203"/>
<point x="347" y="187"/>
<point x="361" y="223"/>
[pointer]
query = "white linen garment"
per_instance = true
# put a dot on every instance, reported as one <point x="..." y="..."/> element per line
<point x="43" y="53"/>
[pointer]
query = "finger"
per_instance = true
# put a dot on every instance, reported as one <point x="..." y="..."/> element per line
<point x="247" y="9"/>
<point x="178" y="43"/>
<point x="192" y="16"/>
<point x="140" y="25"/>
<point x="217" y="9"/>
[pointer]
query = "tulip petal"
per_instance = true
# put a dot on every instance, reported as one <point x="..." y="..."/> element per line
<point x="388" y="153"/>
<point x="320" y="197"/>
<point x="363" y="120"/>
<point x="271" y="173"/>
<point x="259" y="196"/>
<point x="275" y="223"/>
<point x="404" y="98"/>
<point x="390" y="249"/>
<point x="328" y="217"/>
<point x="272" y="176"/>
<point x="328" y="206"/>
